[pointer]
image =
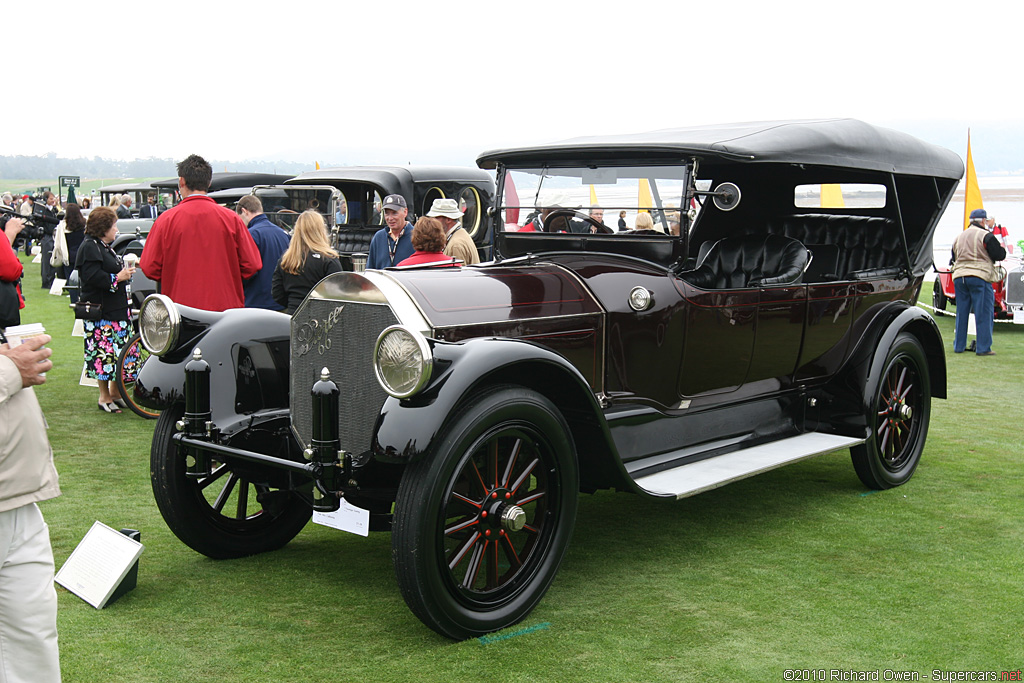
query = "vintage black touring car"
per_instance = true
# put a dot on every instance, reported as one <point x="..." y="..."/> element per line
<point x="465" y="408"/>
<point x="350" y="197"/>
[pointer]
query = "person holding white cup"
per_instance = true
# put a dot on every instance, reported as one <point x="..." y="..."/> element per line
<point x="104" y="277"/>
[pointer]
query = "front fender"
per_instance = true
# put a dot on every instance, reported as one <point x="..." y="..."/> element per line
<point x="247" y="350"/>
<point x="406" y="428"/>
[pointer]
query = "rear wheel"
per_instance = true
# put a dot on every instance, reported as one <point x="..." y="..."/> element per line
<point x="482" y="522"/>
<point x="898" y="417"/>
<point x="239" y="509"/>
<point x="129" y="362"/>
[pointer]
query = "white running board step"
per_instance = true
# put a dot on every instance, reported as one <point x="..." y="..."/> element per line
<point x="703" y="475"/>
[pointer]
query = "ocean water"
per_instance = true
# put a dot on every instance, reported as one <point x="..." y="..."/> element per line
<point x="1005" y="202"/>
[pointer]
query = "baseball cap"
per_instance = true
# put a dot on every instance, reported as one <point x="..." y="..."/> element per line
<point x="394" y="202"/>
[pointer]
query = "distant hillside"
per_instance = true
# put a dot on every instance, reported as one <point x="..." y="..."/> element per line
<point x="51" y="166"/>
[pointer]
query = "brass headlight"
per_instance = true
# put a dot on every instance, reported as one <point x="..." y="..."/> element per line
<point x="159" y="324"/>
<point x="402" y="361"/>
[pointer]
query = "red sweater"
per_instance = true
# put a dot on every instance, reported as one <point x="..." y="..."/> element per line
<point x="200" y="253"/>
<point x="420" y="258"/>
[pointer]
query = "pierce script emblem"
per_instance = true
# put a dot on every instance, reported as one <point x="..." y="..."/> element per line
<point x="316" y="334"/>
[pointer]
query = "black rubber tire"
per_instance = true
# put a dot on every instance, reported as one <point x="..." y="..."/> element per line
<point x="939" y="299"/>
<point x="444" y="509"/>
<point x="125" y="376"/>
<point x="200" y="523"/>
<point x="891" y="454"/>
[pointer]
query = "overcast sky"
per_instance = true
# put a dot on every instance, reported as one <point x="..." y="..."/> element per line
<point x="375" y="82"/>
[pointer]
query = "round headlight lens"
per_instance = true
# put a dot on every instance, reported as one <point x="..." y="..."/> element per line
<point x="159" y="324"/>
<point x="402" y="361"/>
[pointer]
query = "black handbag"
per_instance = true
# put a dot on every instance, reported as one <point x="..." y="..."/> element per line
<point x="10" y="313"/>
<point x="87" y="310"/>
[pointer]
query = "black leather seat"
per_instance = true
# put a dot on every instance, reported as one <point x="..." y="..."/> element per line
<point x="750" y="261"/>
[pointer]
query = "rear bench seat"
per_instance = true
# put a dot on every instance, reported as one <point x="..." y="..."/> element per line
<point x="869" y="247"/>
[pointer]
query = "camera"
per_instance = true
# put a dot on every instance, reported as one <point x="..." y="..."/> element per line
<point x="37" y="225"/>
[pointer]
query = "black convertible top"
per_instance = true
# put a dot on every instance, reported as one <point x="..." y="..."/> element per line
<point x="846" y="143"/>
<point x="228" y="180"/>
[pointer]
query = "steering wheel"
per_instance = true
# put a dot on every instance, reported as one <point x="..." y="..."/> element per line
<point x="568" y="215"/>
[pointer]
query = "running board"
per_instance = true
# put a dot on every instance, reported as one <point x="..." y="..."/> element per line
<point x="703" y="475"/>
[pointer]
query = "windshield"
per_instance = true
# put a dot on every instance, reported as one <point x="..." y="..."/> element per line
<point x="622" y="198"/>
<point x="283" y="204"/>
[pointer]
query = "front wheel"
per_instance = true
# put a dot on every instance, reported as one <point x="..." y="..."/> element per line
<point x="483" y="520"/>
<point x="239" y="509"/>
<point x="129" y="363"/>
<point x="898" y="417"/>
<point x="939" y="298"/>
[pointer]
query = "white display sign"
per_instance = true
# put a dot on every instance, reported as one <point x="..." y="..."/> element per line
<point x="347" y="518"/>
<point x="57" y="288"/>
<point x="98" y="564"/>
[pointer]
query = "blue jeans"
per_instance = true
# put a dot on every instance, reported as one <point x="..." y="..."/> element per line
<point x="974" y="294"/>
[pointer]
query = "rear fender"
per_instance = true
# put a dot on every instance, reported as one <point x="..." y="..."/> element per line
<point x="853" y="389"/>
<point x="407" y="428"/>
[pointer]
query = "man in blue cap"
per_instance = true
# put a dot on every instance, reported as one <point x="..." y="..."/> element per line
<point x="392" y="244"/>
<point x="975" y="252"/>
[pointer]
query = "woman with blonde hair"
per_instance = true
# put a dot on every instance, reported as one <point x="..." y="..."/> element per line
<point x="645" y="222"/>
<point x="308" y="259"/>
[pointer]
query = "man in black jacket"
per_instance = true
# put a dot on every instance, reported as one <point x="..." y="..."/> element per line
<point x="49" y="209"/>
<point x="149" y="210"/>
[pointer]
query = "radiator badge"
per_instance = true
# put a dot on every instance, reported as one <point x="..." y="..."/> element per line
<point x="316" y="334"/>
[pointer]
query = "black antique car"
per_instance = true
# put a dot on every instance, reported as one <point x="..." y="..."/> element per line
<point x="350" y="197"/>
<point x="465" y="408"/>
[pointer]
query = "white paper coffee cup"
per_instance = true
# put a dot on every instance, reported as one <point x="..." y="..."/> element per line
<point x="16" y="333"/>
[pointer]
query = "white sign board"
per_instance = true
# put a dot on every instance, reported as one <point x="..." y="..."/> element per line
<point x="347" y="518"/>
<point x="97" y="565"/>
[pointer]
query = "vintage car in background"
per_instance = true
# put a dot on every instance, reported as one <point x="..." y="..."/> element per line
<point x="350" y="198"/>
<point x="1008" y="290"/>
<point x="137" y="191"/>
<point x="465" y="408"/>
<point x="219" y="182"/>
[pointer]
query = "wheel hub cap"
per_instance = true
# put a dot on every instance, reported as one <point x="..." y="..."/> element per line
<point x="513" y="518"/>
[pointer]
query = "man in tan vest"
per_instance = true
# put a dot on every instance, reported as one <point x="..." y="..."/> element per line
<point x="458" y="243"/>
<point x="975" y="252"/>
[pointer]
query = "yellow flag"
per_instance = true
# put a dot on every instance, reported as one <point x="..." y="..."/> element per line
<point x="972" y="193"/>
<point x="593" y="196"/>
<point x="832" y="197"/>
<point x="645" y="200"/>
<point x="317" y="165"/>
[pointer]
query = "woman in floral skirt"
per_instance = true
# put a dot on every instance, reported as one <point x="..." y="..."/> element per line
<point x="103" y="278"/>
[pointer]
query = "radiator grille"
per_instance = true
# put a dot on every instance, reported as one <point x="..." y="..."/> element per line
<point x="1015" y="286"/>
<point x="338" y="335"/>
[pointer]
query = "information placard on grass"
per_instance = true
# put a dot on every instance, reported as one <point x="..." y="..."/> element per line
<point x="99" y="564"/>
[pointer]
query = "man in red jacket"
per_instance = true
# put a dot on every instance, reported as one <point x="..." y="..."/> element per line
<point x="198" y="251"/>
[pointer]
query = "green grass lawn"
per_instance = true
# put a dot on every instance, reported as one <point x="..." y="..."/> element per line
<point x="800" y="568"/>
<point x="19" y="187"/>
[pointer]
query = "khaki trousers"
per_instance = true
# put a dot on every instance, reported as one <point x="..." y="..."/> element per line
<point x="28" y="600"/>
